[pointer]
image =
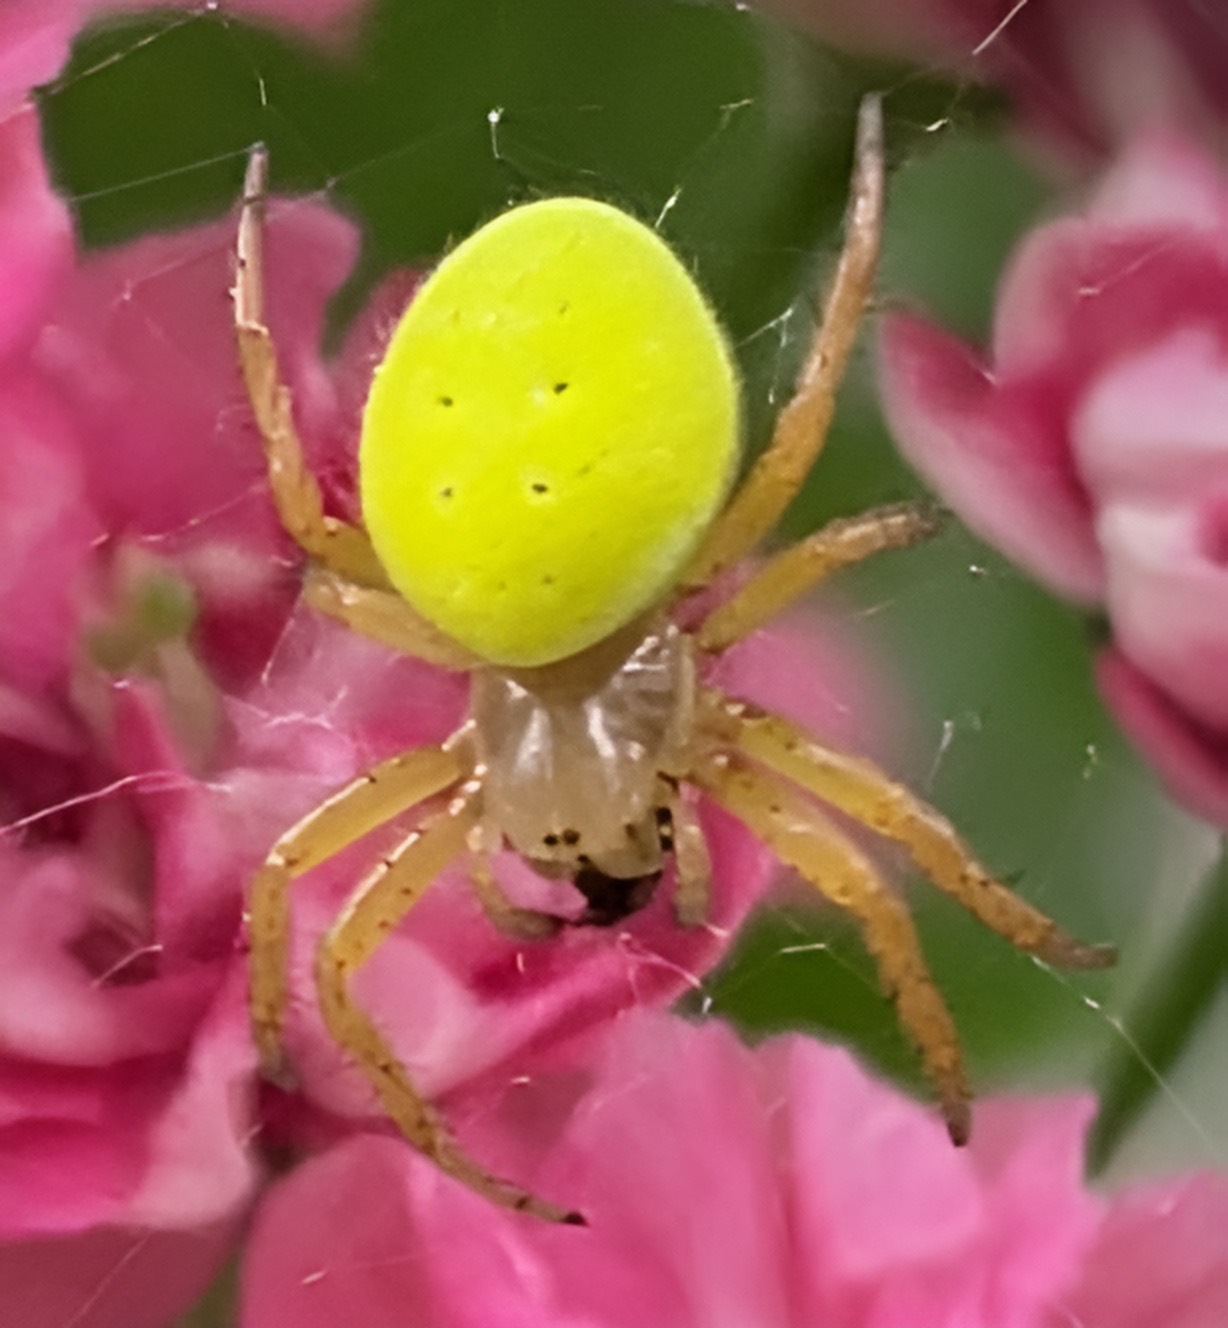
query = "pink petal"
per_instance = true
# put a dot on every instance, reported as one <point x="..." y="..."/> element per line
<point x="1163" y="182"/>
<point x="997" y="453"/>
<point x="673" y="1158"/>
<point x="110" y="1277"/>
<point x="36" y="238"/>
<point x="143" y="343"/>
<point x="722" y="1185"/>
<point x="1078" y="294"/>
<point x="1146" y="255"/>
<point x="1040" y="1221"/>
<point x="53" y="1008"/>
<point x="719" y="1177"/>
<point x="1191" y="759"/>
<point x="48" y="531"/>
<point x="196" y="887"/>
<point x="199" y="1165"/>
<point x="370" y="1233"/>
<point x="1160" y="1261"/>
<point x="1152" y="429"/>
<point x="884" y="1229"/>
<point x="1168" y="602"/>
<point x="978" y="1237"/>
<point x="1154" y="444"/>
<point x="141" y="354"/>
<point x="1045" y="280"/>
<point x="154" y="1141"/>
<point x="34" y="39"/>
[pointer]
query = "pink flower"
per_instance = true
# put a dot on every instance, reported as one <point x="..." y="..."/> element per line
<point x="769" y="1187"/>
<point x="1159" y="1260"/>
<point x="1084" y="76"/>
<point x="127" y="1075"/>
<point x="1091" y="445"/>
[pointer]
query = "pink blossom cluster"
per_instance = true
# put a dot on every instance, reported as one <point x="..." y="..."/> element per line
<point x="1089" y="442"/>
<point x="166" y="710"/>
<point x="778" y="1187"/>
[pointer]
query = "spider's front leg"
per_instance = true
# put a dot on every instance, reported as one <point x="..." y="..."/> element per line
<point x="789" y="574"/>
<point x="801" y="836"/>
<point x="385" y="791"/>
<point x="862" y="791"/>
<point x="384" y="616"/>
<point x="692" y="861"/>
<point x="764" y="770"/>
<point x="375" y="908"/>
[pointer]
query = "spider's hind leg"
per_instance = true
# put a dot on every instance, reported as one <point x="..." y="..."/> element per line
<point x="344" y="548"/>
<point x="801" y="427"/>
<point x="348" y="581"/>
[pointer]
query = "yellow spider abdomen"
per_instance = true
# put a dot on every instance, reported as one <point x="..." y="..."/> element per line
<point x="552" y="429"/>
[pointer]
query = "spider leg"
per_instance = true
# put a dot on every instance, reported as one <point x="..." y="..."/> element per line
<point x="692" y="863"/>
<point x="861" y="790"/>
<point x="379" y="903"/>
<point x="800" y="835"/>
<point x="385" y="616"/>
<point x="797" y="569"/>
<point x="383" y="792"/>
<point x="801" y="427"/>
<point x="296" y="494"/>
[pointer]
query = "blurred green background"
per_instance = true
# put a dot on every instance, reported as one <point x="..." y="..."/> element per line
<point x="734" y="135"/>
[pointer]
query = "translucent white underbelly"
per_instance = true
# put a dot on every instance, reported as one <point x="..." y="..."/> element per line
<point x="574" y="754"/>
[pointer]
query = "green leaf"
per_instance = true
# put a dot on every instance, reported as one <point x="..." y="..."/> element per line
<point x="1166" y="1017"/>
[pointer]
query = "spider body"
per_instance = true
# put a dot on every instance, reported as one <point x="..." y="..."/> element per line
<point x="551" y="430"/>
<point x="578" y="756"/>
<point x="590" y="729"/>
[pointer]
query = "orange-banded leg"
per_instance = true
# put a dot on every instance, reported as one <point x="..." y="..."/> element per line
<point x="385" y="791"/>
<point x="375" y="908"/>
<point x="801" y="836"/>
<point x="862" y="791"/>
<point x="350" y="582"/>
<point x="340" y="546"/>
<point x="789" y="574"/>
<point x="384" y="616"/>
<point x="802" y="425"/>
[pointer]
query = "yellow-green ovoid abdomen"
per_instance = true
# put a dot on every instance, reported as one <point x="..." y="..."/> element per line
<point x="553" y="427"/>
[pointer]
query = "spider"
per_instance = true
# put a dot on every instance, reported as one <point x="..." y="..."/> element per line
<point x="547" y="454"/>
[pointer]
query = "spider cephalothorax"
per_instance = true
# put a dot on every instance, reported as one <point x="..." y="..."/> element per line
<point x="546" y="457"/>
